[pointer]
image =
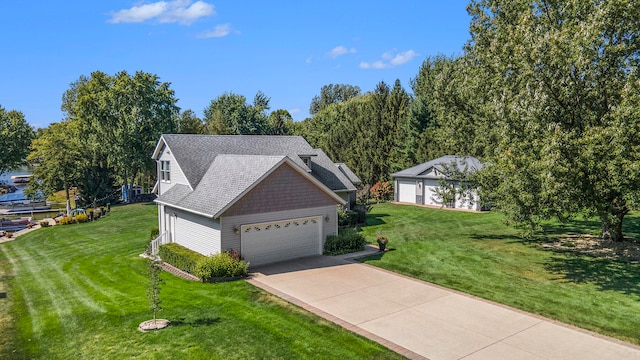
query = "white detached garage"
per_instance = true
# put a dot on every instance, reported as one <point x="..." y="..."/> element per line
<point x="422" y="184"/>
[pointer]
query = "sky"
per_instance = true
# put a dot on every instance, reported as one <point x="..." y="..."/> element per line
<point x="286" y="49"/>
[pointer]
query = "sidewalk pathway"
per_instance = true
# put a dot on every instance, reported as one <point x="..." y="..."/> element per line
<point x="424" y="321"/>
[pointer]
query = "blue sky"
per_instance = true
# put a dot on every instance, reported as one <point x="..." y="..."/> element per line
<point x="286" y="49"/>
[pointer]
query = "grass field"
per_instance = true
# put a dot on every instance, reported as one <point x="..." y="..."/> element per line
<point x="477" y="254"/>
<point x="78" y="291"/>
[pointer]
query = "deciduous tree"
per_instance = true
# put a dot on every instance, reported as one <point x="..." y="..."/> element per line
<point x="124" y="115"/>
<point x="229" y="114"/>
<point x="15" y="138"/>
<point x="564" y="99"/>
<point x="331" y="94"/>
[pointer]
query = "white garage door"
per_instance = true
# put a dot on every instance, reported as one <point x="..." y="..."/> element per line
<point x="407" y="191"/>
<point x="281" y="240"/>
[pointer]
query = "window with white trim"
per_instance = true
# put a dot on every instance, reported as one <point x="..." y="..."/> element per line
<point x="165" y="171"/>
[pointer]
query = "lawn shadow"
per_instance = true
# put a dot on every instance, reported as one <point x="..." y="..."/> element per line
<point x="512" y="238"/>
<point x="606" y="274"/>
<point x="573" y="226"/>
<point x="195" y="322"/>
<point x="375" y="219"/>
<point x="373" y="257"/>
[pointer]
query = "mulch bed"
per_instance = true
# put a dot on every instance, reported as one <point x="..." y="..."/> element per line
<point x="627" y="250"/>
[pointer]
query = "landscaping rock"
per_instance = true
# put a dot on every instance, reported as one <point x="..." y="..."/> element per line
<point x="151" y="325"/>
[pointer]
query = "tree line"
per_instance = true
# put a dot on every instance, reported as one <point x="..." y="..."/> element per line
<point x="546" y="94"/>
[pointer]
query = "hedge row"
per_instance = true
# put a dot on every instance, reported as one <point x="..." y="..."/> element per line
<point x="208" y="268"/>
<point x="180" y="257"/>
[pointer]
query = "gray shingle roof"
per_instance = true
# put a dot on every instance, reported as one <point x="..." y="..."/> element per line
<point x="195" y="153"/>
<point x="325" y="170"/>
<point x="348" y="173"/>
<point x="469" y="163"/>
<point x="215" y="190"/>
<point x="221" y="168"/>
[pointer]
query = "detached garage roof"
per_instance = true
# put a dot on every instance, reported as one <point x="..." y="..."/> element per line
<point x="434" y="169"/>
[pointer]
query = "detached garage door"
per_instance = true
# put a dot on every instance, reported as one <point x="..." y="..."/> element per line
<point x="281" y="240"/>
<point x="407" y="191"/>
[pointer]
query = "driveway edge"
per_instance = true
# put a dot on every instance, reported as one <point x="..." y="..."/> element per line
<point x="346" y="325"/>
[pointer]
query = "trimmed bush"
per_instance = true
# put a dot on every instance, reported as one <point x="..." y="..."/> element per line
<point x="65" y="220"/>
<point x="221" y="266"/>
<point x="44" y="223"/>
<point x="347" y="241"/>
<point x="180" y="257"/>
<point x="82" y="218"/>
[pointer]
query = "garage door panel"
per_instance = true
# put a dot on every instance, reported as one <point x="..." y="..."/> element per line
<point x="281" y="240"/>
<point x="407" y="191"/>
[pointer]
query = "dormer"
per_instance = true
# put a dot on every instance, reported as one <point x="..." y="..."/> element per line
<point x="306" y="159"/>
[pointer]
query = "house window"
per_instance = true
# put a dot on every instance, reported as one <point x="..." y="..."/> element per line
<point x="307" y="161"/>
<point x="165" y="171"/>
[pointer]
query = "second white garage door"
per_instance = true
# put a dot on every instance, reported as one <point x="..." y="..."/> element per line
<point x="407" y="191"/>
<point x="269" y="242"/>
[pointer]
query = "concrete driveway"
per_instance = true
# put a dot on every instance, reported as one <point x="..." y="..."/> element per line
<point x="421" y="320"/>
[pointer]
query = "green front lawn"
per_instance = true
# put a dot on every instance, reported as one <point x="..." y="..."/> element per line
<point x="78" y="291"/>
<point x="477" y="254"/>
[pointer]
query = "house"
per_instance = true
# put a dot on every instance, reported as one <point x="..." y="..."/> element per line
<point x="271" y="198"/>
<point x="423" y="184"/>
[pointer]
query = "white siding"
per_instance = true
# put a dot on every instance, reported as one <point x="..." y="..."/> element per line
<point x="196" y="232"/>
<point x="407" y="191"/>
<point x="176" y="174"/>
<point x="471" y="201"/>
<point x="231" y="240"/>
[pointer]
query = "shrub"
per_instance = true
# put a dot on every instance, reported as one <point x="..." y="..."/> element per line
<point x="180" y="257"/>
<point x="347" y="241"/>
<point x="155" y="232"/>
<point x="381" y="191"/>
<point x="65" y="220"/>
<point x="346" y="217"/>
<point x="44" y="223"/>
<point x="81" y="218"/>
<point x="222" y="265"/>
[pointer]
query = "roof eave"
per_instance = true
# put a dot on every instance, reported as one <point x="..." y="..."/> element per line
<point x="183" y="208"/>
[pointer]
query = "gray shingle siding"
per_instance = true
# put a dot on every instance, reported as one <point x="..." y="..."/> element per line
<point x="284" y="189"/>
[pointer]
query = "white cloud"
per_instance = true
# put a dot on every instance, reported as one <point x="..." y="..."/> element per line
<point x="309" y="60"/>
<point x="373" y="65"/>
<point x="403" y="57"/>
<point x="219" y="31"/>
<point x="294" y="111"/>
<point x="181" y="11"/>
<point x="340" y="50"/>
<point x="389" y="60"/>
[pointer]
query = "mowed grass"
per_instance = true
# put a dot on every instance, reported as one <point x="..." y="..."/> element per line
<point x="78" y="291"/>
<point x="476" y="254"/>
